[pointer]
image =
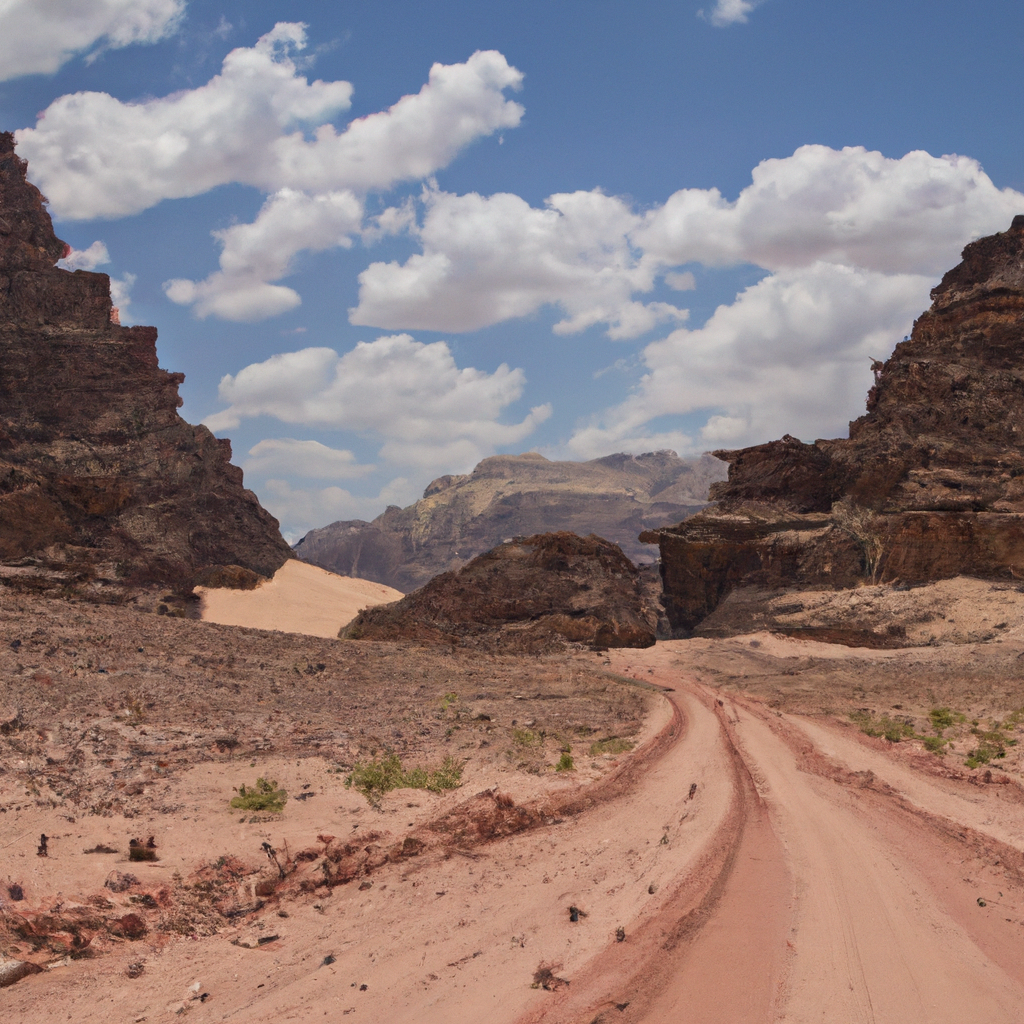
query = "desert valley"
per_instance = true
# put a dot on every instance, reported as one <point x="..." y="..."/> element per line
<point x="632" y="739"/>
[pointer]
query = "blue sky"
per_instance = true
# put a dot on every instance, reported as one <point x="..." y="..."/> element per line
<point x="442" y="231"/>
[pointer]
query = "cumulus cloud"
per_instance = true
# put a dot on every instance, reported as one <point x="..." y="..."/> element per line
<point x="729" y="12"/>
<point x="790" y="355"/>
<point x="253" y="255"/>
<point x="85" y="259"/>
<point x="40" y="36"/>
<point x="286" y="456"/>
<point x="424" y="409"/>
<point x="96" y="156"/>
<point x="488" y="259"/>
<point x="851" y="206"/>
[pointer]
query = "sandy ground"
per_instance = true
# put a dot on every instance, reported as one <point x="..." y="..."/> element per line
<point x="754" y="859"/>
<point x="301" y="598"/>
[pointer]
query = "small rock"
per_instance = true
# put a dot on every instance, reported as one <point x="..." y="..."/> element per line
<point x="14" y="970"/>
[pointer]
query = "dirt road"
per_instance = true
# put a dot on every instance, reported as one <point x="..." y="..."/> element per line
<point x="742" y="866"/>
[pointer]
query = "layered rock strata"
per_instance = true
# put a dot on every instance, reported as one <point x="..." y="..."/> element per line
<point x="96" y="466"/>
<point x="929" y="484"/>
<point x="525" y="594"/>
<point x="509" y="496"/>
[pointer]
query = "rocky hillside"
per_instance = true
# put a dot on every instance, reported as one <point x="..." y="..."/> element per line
<point x="510" y="496"/>
<point x="99" y="475"/>
<point x="524" y="594"/>
<point x="929" y="484"/>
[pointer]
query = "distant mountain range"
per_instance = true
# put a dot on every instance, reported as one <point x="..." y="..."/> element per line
<point x="508" y="496"/>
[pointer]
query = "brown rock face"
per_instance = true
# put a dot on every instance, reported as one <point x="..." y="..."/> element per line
<point x="96" y="465"/>
<point x="509" y="496"/>
<point x="929" y="485"/>
<point x="528" y="592"/>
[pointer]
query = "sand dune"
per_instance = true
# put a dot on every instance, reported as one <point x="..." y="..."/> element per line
<point x="301" y="598"/>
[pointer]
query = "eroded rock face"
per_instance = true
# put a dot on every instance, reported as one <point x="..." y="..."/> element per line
<point x="929" y="485"/>
<point x="510" y="496"/>
<point x="96" y="465"/>
<point x="526" y="593"/>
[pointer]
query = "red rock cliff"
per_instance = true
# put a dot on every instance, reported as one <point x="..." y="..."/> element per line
<point x="929" y="485"/>
<point x="96" y="465"/>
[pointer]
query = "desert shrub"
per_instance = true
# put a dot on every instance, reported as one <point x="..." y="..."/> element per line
<point x="941" y="718"/>
<point x="565" y="762"/>
<point x="381" y="775"/>
<point x="892" y="729"/>
<point x="612" y="745"/>
<point x="264" y="796"/>
<point x="525" y="738"/>
<point x="936" y="744"/>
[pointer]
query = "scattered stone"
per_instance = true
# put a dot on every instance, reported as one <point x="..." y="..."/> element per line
<point x="42" y="850"/>
<point x="575" y="914"/>
<point x="14" y="970"/>
<point x="16" y="892"/>
<point x="120" y="882"/>
<point x="620" y="934"/>
<point x="693" y="791"/>
<point x="101" y="848"/>
<point x="328" y="960"/>
<point x="136" y="969"/>
<point x="544" y="977"/>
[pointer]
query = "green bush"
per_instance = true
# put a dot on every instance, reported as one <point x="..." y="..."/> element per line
<point x="264" y="796"/>
<point x="381" y="775"/>
<point x="942" y="718"/>
<point x="525" y="738"/>
<point x="565" y="762"/>
<point x="892" y="729"/>
<point x="936" y="744"/>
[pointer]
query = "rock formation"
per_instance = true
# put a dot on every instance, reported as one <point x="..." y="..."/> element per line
<point x="97" y="469"/>
<point x="525" y="593"/>
<point x="509" y="496"/>
<point x="929" y="484"/>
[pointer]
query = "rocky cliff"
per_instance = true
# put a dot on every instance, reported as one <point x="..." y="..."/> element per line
<point x="527" y="594"/>
<point x="929" y="484"/>
<point x="98" y="472"/>
<point x="509" y="496"/>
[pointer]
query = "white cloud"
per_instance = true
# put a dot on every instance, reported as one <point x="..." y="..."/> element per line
<point x="850" y="206"/>
<point x="488" y="259"/>
<point x="790" y="355"/>
<point x="255" y="254"/>
<point x="286" y="456"/>
<point x="424" y="409"/>
<point x="85" y="259"/>
<point x="730" y="12"/>
<point x="96" y="156"/>
<point x="39" y="36"/>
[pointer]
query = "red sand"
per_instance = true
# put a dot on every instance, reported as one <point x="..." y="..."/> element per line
<point x="809" y="878"/>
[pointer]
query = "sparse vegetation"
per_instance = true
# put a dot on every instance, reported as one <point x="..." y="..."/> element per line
<point x="892" y="729"/>
<point x="611" y="745"/>
<point x="525" y="738"/>
<point x="566" y="762"/>
<point x="264" y="796"/>
<point x="383" y="774"/>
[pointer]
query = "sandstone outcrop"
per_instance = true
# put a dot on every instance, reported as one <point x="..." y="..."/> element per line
<point x="510" y="496"/>
<point x="97" y="470"/>
<point x="525" y="594"/>
<point x="929" y="484"/>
